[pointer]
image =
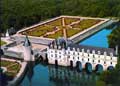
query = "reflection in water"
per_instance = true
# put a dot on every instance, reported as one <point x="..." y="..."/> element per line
<point x="66" y="77"/>
<point x="30" y="72"/>
<point x="40" y="75"/>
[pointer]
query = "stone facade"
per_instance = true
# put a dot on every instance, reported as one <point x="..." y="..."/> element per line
<point x="64" y="56"/>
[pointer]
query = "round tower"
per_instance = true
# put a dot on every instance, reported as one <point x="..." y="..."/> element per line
<point x="7" y="35"/>
<point x="27" y="50"/>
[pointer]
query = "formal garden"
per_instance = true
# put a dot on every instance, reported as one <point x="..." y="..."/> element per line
<point x="11" y="68"/>
<point x="54" y="29"/>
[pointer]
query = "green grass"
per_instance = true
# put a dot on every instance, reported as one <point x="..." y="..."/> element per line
<point x="84" y="24"/>
<point x="70" y="20"/>
<point x="49" y="27"/>
<point x="14" y="68"/>
<point x="2" y="43"/>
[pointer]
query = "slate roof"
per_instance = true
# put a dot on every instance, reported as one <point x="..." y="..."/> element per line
<point x="91" y="48"/>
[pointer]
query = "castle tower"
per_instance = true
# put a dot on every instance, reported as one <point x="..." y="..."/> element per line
<point x="28" y="53"/>
<point x="7" y="35"/>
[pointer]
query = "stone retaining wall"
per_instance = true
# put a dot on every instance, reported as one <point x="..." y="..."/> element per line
<point x="82" y="35"/>
<point x="19" y="76"/>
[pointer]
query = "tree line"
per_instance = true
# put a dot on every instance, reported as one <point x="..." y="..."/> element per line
<point x="23" y="13"/>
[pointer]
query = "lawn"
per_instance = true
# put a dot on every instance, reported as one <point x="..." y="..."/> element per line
<point x="12" y="67"/>
<point x="72" y="25"/>
<point x="2" y="42"/>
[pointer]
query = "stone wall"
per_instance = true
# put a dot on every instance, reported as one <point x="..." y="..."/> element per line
<point x="82" y="35"/>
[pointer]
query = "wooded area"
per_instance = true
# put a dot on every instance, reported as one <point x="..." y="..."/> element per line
<point x="23" y="13"/>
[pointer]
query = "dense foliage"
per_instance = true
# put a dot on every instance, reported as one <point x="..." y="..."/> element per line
<point x="22" y="13"/>
<point x="112" y="78"/>
<point x="114" y="38"/>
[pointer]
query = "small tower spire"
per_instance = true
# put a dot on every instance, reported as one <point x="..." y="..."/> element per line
<point x="116" y="49"/>
<point x="28" y="53"/>
<point x="26" y="42"/>
<point x="7" y="35"/>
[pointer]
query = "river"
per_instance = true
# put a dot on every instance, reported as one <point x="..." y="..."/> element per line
<point x="47" y="75"/>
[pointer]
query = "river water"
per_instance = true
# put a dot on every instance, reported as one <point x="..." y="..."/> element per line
<point x="42" y="75"/>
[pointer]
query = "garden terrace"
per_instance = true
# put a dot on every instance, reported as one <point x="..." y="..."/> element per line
<point x="12" y="68"/>
<point x="86" y="23"/>
<point x="2" y="42"/>
<point x="54" y="28"/>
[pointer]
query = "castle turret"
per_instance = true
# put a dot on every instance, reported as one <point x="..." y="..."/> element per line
<point x="7" y="35"/>
<point x="28" y="53"/>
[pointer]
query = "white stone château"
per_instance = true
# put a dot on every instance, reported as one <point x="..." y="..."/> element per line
<point x="73" y="53"/>
<point x="28" y="53"/>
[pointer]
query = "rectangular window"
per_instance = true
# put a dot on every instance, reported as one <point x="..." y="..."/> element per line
<point x="73" y="53"/>
<point x="55" y="55"/>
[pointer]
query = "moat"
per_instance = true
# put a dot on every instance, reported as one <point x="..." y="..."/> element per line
<point x="44" y="75"/>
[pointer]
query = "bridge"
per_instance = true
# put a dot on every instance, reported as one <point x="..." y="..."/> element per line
<point x="83" y="57"/>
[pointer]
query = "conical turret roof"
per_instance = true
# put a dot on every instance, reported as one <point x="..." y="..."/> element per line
<point x="26" y="42"/>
